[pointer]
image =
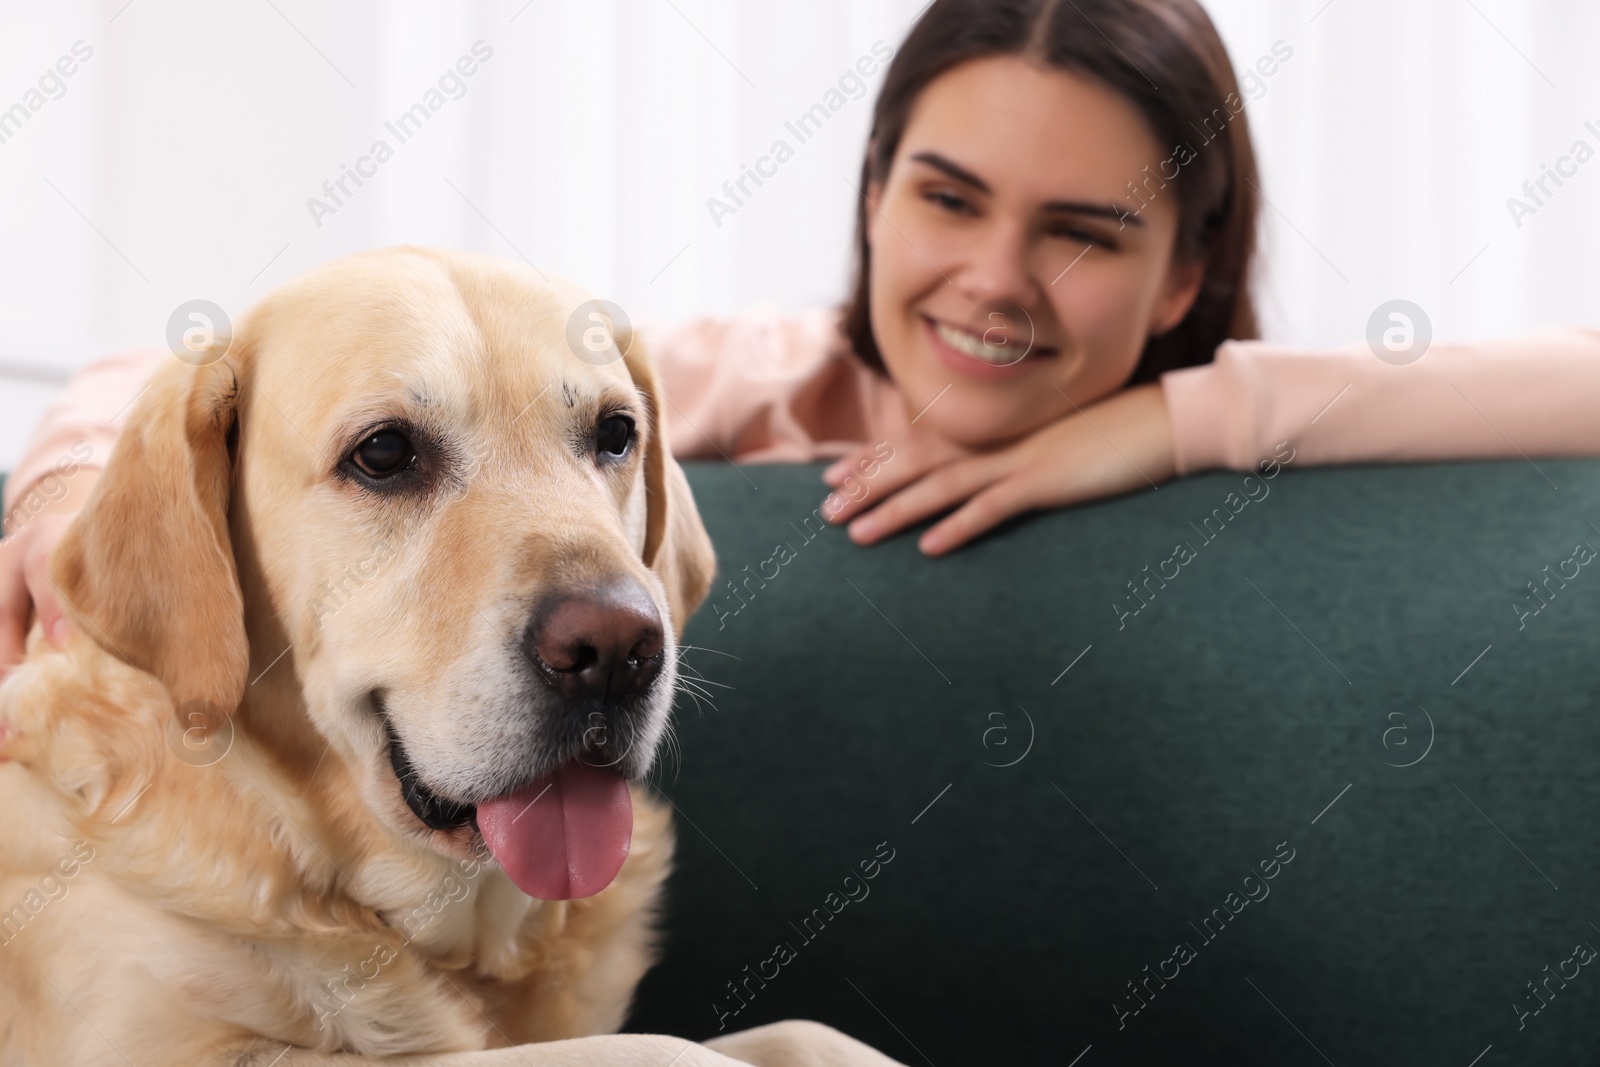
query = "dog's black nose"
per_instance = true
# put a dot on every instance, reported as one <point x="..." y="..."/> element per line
<point x="603" y="644"/>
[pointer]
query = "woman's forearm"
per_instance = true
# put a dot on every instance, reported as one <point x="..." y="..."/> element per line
<point x="77" y="432"/>
<point x="1534" y="395"/>
<point x="1530" y="395"/>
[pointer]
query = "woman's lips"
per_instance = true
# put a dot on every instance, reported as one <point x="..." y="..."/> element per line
<point x="972" y="366"/>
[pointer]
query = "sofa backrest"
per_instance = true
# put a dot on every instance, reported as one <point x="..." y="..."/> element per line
<point x="1239" y="771"/>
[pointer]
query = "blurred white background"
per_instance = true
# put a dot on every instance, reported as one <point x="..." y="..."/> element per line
<point x="178" y="161"/>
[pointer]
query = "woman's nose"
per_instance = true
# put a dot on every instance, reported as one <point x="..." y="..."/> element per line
<point x="997" y="267"/>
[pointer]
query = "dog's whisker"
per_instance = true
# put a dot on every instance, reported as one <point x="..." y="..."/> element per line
<point x="699" y="685"/>
<point x="703" y="648"/>
<point x="684" y="680"/>
<point x="692" y="695"/>
<point x="677" y="759"/>
<point x="698" y="680"/>
<point x="670" y="748"/>
<point x="694" y="689"/>
<point x="689" y="673"/>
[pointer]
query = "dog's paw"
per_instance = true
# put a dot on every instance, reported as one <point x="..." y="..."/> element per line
<point x="24" y="712"/>
<point x="85" y="722"/>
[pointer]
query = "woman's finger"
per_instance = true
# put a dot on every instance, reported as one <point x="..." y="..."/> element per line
<point x="36" y="571"/>
<point x="835" y="471"/>
<point x="47" y="605"/>
<point x="943" y="488"/>
<point x="13" y="604"/>
<point x="856" y="492"/>
<point x="983" y="512"/>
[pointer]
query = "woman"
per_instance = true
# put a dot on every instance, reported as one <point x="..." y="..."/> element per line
<point x="1051" y="304"/>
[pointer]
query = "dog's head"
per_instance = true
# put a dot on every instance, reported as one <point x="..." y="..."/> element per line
<point x="465" y="535"/>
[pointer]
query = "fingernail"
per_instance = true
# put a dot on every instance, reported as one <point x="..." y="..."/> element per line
<point x="864" y="528"/>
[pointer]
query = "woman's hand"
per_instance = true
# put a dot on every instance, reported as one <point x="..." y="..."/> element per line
<point x="31" y="536"/>
<point x="1115" y="446"/>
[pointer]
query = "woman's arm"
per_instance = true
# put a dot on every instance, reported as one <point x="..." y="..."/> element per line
<point x="1535" y="395"/>
<point x="50" y="486"/>
<point x="1529" y="396"/>
<point x="77" y="431"/>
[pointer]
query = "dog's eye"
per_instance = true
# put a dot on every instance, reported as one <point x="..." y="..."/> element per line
<point x="385" y="453"/>
<point x="613" y="435"/>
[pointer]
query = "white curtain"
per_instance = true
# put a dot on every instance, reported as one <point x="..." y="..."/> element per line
<point x="180" y="157"/>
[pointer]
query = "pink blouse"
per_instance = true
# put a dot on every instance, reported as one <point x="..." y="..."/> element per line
<point x="765" y="388"/>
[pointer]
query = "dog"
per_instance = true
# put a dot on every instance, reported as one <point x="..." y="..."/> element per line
<point x="376" y="616"/>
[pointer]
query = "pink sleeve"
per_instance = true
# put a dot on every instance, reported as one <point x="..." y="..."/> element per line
<point x="79" y="429"/>
<point x="1535" y="395"/>
<point x="761" y="387"/>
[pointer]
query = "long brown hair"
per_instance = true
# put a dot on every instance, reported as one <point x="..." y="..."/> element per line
<point x="1165" y="57"/>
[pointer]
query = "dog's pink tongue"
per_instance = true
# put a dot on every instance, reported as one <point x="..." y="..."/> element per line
<point x="564" y="835"/>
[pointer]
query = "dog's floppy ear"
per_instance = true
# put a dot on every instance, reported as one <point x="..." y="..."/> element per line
<point x="676" y="545"/>
<point x="146" y="570"/>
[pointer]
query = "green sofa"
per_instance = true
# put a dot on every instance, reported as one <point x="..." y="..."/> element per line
<point x="1327" y="797"/>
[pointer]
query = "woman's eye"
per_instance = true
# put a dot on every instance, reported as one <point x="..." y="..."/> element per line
<point x="1072" y="233"/>
<point x="613" y="435"/>
<point x="949" y="201"/>
<point x="385" y="453"/>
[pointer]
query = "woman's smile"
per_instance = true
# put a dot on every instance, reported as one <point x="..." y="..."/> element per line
<point x="1000" y="351"/>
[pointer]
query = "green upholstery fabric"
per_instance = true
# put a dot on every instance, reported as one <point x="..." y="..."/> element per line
<point x="1286" y="667"/>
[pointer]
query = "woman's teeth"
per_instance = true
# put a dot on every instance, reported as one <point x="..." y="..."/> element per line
<point x="1001" y="355"/>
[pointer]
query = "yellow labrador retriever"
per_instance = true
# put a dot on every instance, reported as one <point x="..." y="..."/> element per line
<point x="377" y="616"/>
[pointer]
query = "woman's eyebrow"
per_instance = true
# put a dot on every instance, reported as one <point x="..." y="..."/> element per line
<point x="955" y="170"/>
<point x="1113" y="210"/>
<point x="1121" y="212"/>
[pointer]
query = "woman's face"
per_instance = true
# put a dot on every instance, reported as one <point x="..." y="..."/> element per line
<point x="1009" y="196"/>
